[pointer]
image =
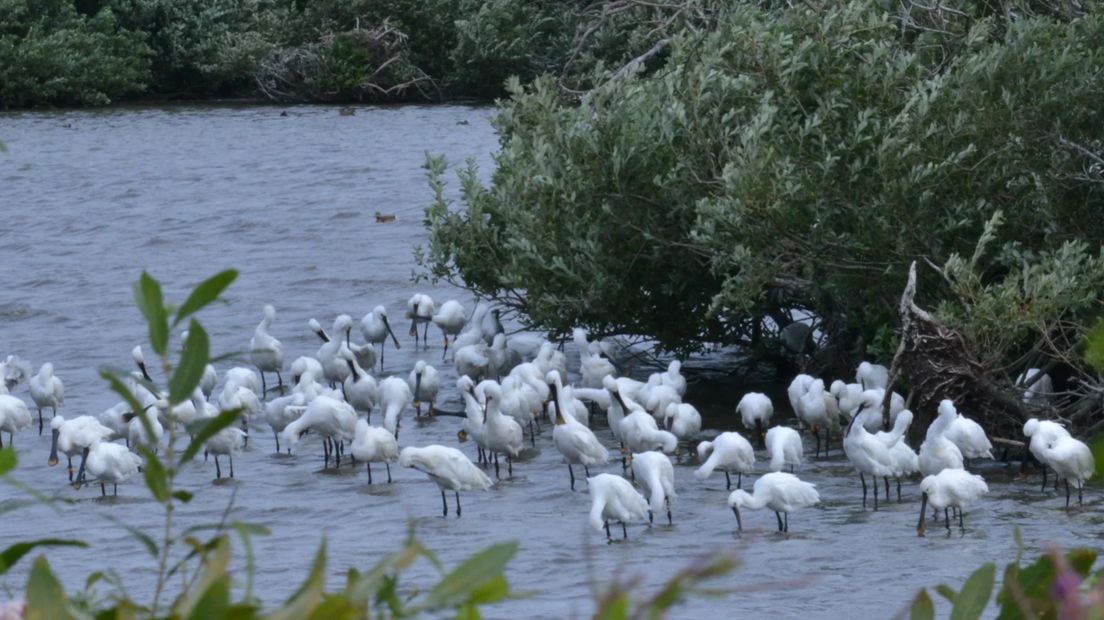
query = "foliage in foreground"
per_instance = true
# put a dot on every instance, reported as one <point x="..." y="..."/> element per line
<point x="1056" y="585"/>
<point x="201" y="567"/>
<point x="796" y="158"/>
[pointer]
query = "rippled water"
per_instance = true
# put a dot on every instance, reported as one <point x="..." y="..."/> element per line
<point x="89" y="199"/>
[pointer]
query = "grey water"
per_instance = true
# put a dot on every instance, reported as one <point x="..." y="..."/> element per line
<point x="89" y="199"/>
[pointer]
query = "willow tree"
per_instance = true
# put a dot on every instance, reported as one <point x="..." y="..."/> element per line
<point x="794" y="158"/>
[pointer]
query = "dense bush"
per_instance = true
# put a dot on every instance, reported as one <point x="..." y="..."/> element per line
<point x="50" y="53"/>
<point x="793" y="159"/>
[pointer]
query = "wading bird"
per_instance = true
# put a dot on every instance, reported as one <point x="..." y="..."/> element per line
<point x="576" y="443"/>
<point x="373" y="444"/>
<point x="728" y="452"/>
<point x="614" y="498"/>
<point x="424" y="384"/>
<point x="376" y="328"/>
<point x="755" y="411"/>
<point x="420" y="308"/>
<point x="655" y="471"/>
<point x="73" y="436"/>
<point x="949" y="488"/>
<point x="46" y="391"/>
<point x="781" y="492"/>
<point x="784" y="447"/>
<point x="450" y="318"/>
<point x="108" y="463"/>
<point x="266" y="352"/>
<point x="449" y="468"/>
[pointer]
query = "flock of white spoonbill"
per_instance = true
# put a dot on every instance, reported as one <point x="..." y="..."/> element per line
<point x="509" y="386"/>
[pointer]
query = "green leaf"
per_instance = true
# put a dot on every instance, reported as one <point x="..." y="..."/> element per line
<point x="193" y="361"/>
<point x="183" y="496"/>
<point x="202" y="430"/>
<point x="7" y="460"/>
<point x="971" y="601"/>
<point x="152" y="305"/>
<point x="215" y="600"/>
<point x="1081" y="560"/>
<point x="46" y="598"/>
<point x="157" y="479"/>
<point x="946" y="592"/>
<point x="616" y="608"/>
<point x="922" y="607"/>
<point x="491" y="591"/>
<point x="205" y="293"/>
<point x="1017" y="535"/>
<point x="12" y="554"/>
<point x="459" y="584"/>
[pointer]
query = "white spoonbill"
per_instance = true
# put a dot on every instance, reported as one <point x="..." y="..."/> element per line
<point x="949" y="488"/>
<point x="333" y="419"/>
<point x="424" y="385"/>
<point x="373" y="444"/>
<point x="450" y="318"/>
<point x="797" y="388"/>
<point x="107" y="463"/>
<point x="576" y="442"/>
<point x="674" y="378"/>
<point x="592" y="366"/>
<point x="868" y="456"/>
<point x="503" y="359"/>
<point x="683" y="421"/>
<point x="873" y="400"/>
<point x="1041" y="434"/>
<point x="14" y="371"/>
<point x="872" y="376"/>
<point x="503" y="432"/>
<point x="265" y="351"/>
<point x="784" y="447"/>
<point x="304" y="364"/>
<point x="376" y="328"/>
<point x="225" y="443"/>
<point x="395" y="395"/>
<point x="755" y="410"/>
<point x="656" y="472"/>
<point x="729" y="452"/>
<point x="474" y="416"/>
<point x="360" y="388"/>
<point x="473" y="361"/>
<point x="448" y="467"/>
<point x="848" y="397"/>
<point x="73" y="436"/>
<point x="420" y="307"/>
<point x="1038" y="393"/>
<point x="967" y="435"/>
<point x="819" y="410"/>
<point x="614" y="498"/>
<point x="46" y="391"/>
<point x="781" y="492"/>
<point x="549" y="359"/>
<point x="332" y="352"/>
<point x="490" y="324"/>
<point x="640" y="433"/>
<point x="1071" y="460"/>
<point x="14" y="415"/>
<point x="905" y="460"/>
<point x="137" y="434"/>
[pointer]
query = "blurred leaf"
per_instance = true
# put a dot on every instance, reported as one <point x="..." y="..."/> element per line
<point x="922" y="607"/>
<point x="152" y="305"/>
<point x="215" y="600"/>
<point x="946" y="592"/>
<point x="183" y="496"/>
<point x="205" y="293"/>
<point x="46" y="598"/>
<point x="202" y="430"/>
<point x="7" y="460"/>
<point x="1094" y="349"/>
<point x="1017" y="536"/>
<point x="459" y="584"/>
<point x="308" y="596"/>
<point x="142" y="537"/>
<point x="971" y="601"/>
<point x="616" y="608"/>
<point x="121" y="389"/>
<point x="12" y="554"/>
<point x="214" y="570"/>
<point x="491" y="591"/>
<point x="157" y="479"/>
<point x="193" y="361"/>
<point x="1098" y="456"/>
<point x="1082" y="560"/>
